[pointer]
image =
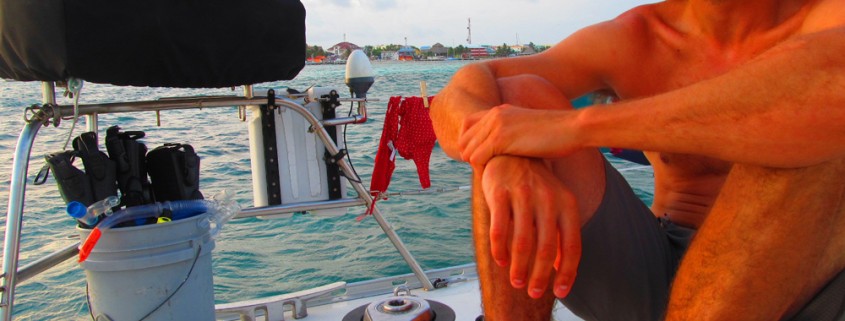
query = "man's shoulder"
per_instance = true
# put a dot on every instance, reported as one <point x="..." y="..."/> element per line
<point x="643" y="21"/>
<point x="825" y="14"/>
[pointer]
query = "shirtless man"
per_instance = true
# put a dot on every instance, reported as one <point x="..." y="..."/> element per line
<point x="741" y="105"/>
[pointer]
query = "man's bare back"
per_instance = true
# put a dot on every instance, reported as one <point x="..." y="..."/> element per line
<point x="676" y="62"/>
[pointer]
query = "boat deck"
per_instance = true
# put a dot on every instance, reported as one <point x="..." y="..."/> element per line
<point x="461" y="294"/>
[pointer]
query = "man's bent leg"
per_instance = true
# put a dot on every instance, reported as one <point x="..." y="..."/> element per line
<point x="773" y="239"/>
<point x="582" y="172"/>
<point x="627" y="262"/>
<point x="628" y="258"/>
<point x="501" y="301"/>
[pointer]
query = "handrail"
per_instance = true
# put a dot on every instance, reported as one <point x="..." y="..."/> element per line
<point x="299" y="207"/>
<point x="46" y="262"/>
<point x="175" y="104"/>
<point x="14" y="216"/>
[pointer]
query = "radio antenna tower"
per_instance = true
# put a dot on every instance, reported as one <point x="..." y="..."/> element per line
<point x="469" y="32"/>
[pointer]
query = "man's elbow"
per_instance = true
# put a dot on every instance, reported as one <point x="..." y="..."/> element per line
<point x="447" y="135"/>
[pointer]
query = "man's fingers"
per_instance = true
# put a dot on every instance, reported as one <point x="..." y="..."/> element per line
<point x="570" y="225"/>
<point x="482" y="153"/>
<point x="500" y="220"/>
<point x="547" y="249"/>
<point x="524" y="239"/>
<point x="475" y="143"/>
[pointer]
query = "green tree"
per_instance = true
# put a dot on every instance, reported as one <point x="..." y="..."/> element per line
<point x="392" y="47"/>
<point x="503" y="51"/>
<point x="541" y="48"/>
<point x="459" y="51"/>
<point x="314" y="51"/>
<point x="376" y="52"/>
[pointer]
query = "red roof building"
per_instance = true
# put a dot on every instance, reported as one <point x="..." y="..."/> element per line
<point x="342" y="48"/>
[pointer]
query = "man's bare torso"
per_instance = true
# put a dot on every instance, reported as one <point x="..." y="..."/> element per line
<point x="686" y="186"/>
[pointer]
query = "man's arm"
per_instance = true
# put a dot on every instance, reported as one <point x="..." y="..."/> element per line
<point x="523" y="213"/>
<point x="477" y="87"/>
<point x="575" y="66"/>
<point x="783" y="109"/>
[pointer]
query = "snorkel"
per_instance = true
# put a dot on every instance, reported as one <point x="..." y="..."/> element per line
<point x="220" y="209"/>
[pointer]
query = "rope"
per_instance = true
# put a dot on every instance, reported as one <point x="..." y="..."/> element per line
<point x="467" y="187"/>
<point x="74" y="86"/>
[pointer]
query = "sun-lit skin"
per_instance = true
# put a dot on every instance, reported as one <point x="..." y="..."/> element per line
<point x="739" y="105"/>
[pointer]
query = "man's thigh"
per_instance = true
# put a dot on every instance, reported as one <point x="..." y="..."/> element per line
<point x="628" y="258"/>
<point x="773" y="239"/>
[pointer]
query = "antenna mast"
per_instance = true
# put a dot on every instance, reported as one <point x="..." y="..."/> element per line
<point x="469" y="32"/>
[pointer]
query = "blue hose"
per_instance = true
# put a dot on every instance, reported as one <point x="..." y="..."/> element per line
<point x="178" y="209"/>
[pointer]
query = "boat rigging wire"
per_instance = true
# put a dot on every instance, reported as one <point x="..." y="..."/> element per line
<point x="431" y="190"/>
<point x="348" y="158"/>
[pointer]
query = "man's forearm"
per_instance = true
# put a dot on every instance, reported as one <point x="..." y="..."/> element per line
<point x="783" y="109"/>
<point x="473" y="88"/>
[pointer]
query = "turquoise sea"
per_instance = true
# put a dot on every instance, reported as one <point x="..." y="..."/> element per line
<point x="255" y="257"/>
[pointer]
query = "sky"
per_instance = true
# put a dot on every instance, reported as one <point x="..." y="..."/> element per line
<point x="426" y="22"/>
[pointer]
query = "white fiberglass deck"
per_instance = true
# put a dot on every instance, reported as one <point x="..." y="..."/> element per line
<point x="462" y="295"/>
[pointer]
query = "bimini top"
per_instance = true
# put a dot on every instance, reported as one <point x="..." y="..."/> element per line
<point x="158" y="43"/>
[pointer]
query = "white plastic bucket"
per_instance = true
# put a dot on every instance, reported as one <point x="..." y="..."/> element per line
<point x="154" y="272"/>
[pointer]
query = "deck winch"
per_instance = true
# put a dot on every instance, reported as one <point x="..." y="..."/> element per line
<point x="402" y="307"/>
<point x="399" y="308"/>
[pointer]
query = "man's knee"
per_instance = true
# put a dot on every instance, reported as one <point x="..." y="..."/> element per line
<point x="531" y="91"/>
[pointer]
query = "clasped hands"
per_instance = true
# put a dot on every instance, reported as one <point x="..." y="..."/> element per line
<point x="534" y="218"/>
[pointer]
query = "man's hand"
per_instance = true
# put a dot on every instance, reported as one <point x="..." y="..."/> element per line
<point x="513" y="130"/>
<point x="532" y="213"/>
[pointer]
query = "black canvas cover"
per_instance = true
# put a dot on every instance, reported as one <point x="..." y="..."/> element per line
<point x="161" y="43"/>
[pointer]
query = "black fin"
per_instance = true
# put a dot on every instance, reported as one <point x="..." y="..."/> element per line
<point x="174" y="171"/>
<point x="73" y="183"/>
<point x="128" y="154"/>
<point x="100" y="169"/>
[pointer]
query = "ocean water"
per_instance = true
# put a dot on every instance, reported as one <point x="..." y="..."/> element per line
<point x="255" y="257"/>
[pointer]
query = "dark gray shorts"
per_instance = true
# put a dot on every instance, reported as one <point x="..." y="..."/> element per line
<point x="629" y="258"/>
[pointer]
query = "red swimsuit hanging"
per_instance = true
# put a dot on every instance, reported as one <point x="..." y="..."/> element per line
<point x="416" y="136"/>
<point x="414" y="140"/>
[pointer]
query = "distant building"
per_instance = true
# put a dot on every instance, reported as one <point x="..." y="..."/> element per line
<point x="342" y="48"/>
<point x="476" y="51"/>
<point x="528" y="50"/>
<point x="407" y="53"/>
<point x="389" y="55"/>
<point x="439" y="50"/>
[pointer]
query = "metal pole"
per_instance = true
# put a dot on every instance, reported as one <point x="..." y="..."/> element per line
<point x="17" y="191"/>
<point x="192" y="103"/>
<point x="92" y="123"/>
<point x="362" y="192"/>
<point x="48" y="92"/>
<point x="46" y="262"/>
